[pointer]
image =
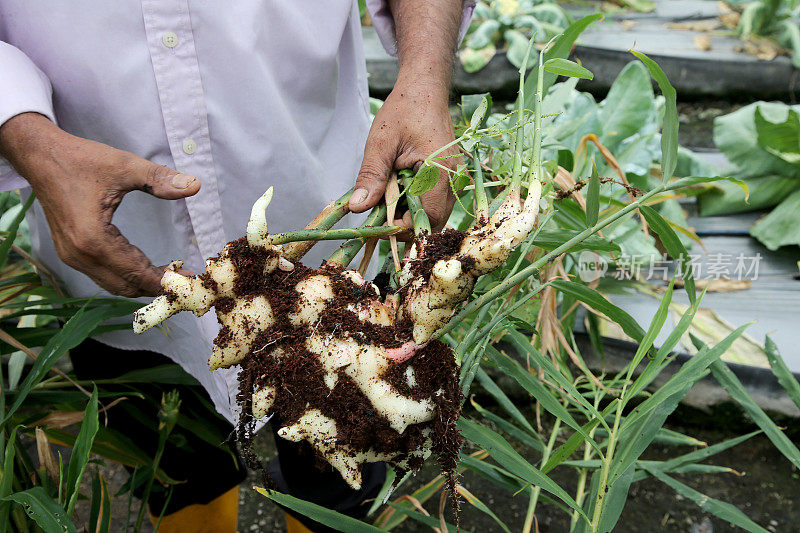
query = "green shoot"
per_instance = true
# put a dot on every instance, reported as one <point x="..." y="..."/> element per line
<point x="347" y="252"/>
<point x="333" y="234"/>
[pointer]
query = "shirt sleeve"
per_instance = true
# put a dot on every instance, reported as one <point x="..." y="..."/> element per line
<point x="24" y="88"/>
<point x="383" y="22"/>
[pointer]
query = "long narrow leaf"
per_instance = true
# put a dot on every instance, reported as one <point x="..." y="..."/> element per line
<point x="523" y="344"/>
<point x="655" y="366"/>
<point x="669" y="130"/>
<point x="615" y="499"/>
<point x="674" y="247"/>
<point x="690" y="373"/>
<point x="385" y="492"/>
<point x="538" y="391"/>
<point x="77" y="328"/>
<point x="495" y="474"/>
<point x="113" y="446"/>
<point x="100" y="511"/>
<point x="597" y="301"/>
<point x="80" y="452"/>
<point x="509" y="428"/>
<point x="492" y="388"/>
<point x="567" y="449"/>
<point x="482" y="507"/>
<point x="704" y="453"/>
<point x="42" y="509"/>
<point x="421" y="518"/>
<point x="421" y="495"/>
<point x="507" y="457"/>
<point x="781" y="371"/>
<point x="654" y="329"/>
<point x="6" y="482"/>
<point x="561" y="48"/>
<point x="565" y="67"/>
<point x="720" y="509"/>
<point x="13" y="228"/>
<point x="675" y="438"/>
<point x="563" y="452"/>
<point x="685" y="469"/>
<point x="323" y="515"/>
<point x="731" y="383"/>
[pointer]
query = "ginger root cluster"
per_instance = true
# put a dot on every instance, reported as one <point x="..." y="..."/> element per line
<point x="354" y="372"/>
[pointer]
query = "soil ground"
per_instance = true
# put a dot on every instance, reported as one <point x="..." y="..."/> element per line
<point x="697" y="121"/>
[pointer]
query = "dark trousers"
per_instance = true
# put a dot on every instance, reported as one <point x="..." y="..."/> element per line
<point x="199" y="450"/>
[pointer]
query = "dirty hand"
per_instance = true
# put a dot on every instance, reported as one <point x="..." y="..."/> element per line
<point x="79" y="184"/>
<point x="410" y="125"/>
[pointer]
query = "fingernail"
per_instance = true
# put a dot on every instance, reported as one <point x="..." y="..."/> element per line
<point x="182" y="181"/>
<point x="359" y="195"/>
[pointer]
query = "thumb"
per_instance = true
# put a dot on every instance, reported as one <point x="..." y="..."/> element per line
<point x="372" y="178"/>
<point x="159" y="180"/>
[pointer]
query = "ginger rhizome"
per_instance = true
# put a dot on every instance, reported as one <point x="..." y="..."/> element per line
<point x="357" y="374"/>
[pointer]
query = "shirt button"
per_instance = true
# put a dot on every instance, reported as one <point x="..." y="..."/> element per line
<point x="189" y="146"/>
<point x="169" y="39"/>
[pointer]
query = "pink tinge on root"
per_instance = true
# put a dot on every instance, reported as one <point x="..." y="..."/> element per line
<point x="404" y="352"/>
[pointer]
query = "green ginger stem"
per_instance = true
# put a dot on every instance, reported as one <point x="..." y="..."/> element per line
<point x="347" y="252"/>
<point x="534" y="499"/>
<point x="519" y="143"/>
<point x="481" y="200"/>
<point x="329" y="216"/>
<point x="333" y="234"/>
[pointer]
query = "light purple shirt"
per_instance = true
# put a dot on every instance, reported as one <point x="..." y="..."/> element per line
<point x="243" y="95"/>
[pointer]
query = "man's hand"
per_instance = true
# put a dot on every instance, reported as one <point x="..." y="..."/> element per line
<point x="408" y="128"/>
<point x="415" y="119"/>
<point x="79" y="184"/>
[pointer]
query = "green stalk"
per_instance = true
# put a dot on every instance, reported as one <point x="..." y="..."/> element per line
<point x="472" y="361"/>
<point x="537" y="125"/>
<point x="519" y="143"/>
<point x="498" y="200"/>
<point x="580" y="492"/>
<point x="418" y="216"/>
<point x="534" y="267"/>
<point x="143" y="505"/>
<point x="333" y="234"/>
<point x="329" y="216"/>
<point x="481" y="200"/>
<point x="347" y="252"/>
<point x="164" y="508"/>
<point x="167" y="418"/>
<point x="606" y="467"/>
<point x="548" y="449"/>
<point x="483" y="332"/>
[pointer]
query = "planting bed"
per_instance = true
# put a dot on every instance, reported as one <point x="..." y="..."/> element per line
<point x="720" y="71"/>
